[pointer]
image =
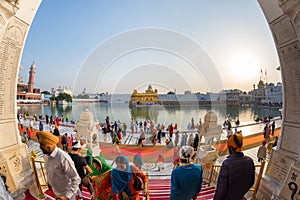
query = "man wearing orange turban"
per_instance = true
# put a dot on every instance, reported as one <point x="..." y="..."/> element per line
<point x="237" y="173"/>
<point x="62" y="176"/>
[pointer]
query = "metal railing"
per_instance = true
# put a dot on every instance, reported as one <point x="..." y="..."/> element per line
<point x="258" y="179"/>
<point x="147" y="195"/>
<point x="41" y="180"/>
<point x="34" y="161"/>
<point x="211" y="174"/>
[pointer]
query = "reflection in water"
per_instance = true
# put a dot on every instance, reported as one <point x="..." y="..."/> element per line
<point x="148" y="113"/>
<point x="159" y="114"/>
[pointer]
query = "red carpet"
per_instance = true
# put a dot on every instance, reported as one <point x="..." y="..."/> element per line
<point x="159" y="189"/>
<point x="28" y="196"/>
<point x="149" y="153"/>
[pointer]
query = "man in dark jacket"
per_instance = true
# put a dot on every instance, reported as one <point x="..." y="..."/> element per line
<point x="81" y="167"/>
<point x="237" y="173"/>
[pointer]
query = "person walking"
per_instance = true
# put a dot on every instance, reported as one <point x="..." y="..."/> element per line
<point x="123" y="178"/>
<point x="47" y="119"/>
<point x="262" y="152"/>
<point x="267" y="132"/>
<point x="273" y="128"/>
<point x="237" y="173"/>
<point x="186" y="180"/>
<point x="171" y="131"/>
<point x="41" y="126"/>
<point x="81" y="167"/>
<point x="184" y="139"/>
<point x="191" y="139"/>
<point x="64" y="142"/>
<point x="176" y="138"/>
<point x="196" y="142"/>
<point x="101" y="180"/>
<point x="116" y="141"/>
<point x="62" y="176"/>
<point x="159" y="133"/>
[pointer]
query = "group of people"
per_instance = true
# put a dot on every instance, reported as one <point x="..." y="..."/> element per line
<point x="266" y="149"/>
<point x="269" y="130"/>
<point x="66" y="172"/>
<point x="236" y="177"/>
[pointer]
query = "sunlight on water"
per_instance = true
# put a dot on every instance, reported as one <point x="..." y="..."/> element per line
<point x="159" y="114"/>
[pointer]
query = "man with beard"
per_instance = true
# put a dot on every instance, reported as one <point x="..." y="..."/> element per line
<point x="62" y="176"/>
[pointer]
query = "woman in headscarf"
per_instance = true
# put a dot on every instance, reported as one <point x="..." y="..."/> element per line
<point x="138" y="161"/>
<point x="101" y="179"/>
<point x="186" y="180"/>
<point x="122" y="178"/>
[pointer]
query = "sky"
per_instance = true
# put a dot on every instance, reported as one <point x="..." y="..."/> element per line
<point x="172" y="45"/>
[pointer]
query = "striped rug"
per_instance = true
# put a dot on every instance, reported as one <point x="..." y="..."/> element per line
<point x="159" y="189"/>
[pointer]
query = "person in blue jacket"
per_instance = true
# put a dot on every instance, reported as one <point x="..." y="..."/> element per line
<point x="186" y="180"/>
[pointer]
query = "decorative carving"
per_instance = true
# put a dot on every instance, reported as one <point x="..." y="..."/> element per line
<point x="15" y="2"/>
<point x="87" y="128"/>
<point x="211" y="132"/>
<point x="2" y="22"/>
<point x="283" y="29"/>
<point x="4" y="170"/>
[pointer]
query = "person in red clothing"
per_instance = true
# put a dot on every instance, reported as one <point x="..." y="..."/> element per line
<point x="57" y="121"/>
<point x="171" y="130"/>
<point x="28" y="132"/>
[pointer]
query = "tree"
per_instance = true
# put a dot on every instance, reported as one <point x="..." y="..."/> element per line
<point x="64" y="96"/>
<point x="83" y="96"/>
<point x="170" y="92"/>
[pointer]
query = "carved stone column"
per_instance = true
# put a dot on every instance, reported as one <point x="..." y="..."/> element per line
<point x="15" y="20"/>
<point x="283" y="17"/>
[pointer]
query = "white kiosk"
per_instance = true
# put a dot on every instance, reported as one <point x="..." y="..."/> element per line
<point x="87" y="130"/>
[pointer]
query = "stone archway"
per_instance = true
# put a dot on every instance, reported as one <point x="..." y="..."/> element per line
<point x="16" y="17"/>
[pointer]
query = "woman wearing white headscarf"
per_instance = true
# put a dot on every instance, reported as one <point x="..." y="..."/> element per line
<point x="186" y="180"/>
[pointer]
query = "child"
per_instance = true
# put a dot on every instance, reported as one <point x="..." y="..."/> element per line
<point x="262" y="152"/>
<point x="160" y="162"/>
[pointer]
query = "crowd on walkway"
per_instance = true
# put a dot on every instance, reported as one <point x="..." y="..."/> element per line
<point x="67" y="171"/>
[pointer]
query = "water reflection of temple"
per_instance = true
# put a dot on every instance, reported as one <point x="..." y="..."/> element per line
<point x="149" y="97"/>
<point x="149" y="113"/>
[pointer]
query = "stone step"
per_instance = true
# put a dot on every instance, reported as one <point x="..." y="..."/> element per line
<point x="159" y="189"/>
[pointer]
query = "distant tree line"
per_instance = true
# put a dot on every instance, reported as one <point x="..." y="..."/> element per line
<point x="62" y="96"/>
<point x="82" y="96"/>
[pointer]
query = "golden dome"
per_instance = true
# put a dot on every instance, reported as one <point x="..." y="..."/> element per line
<point x="260" y="83"/>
